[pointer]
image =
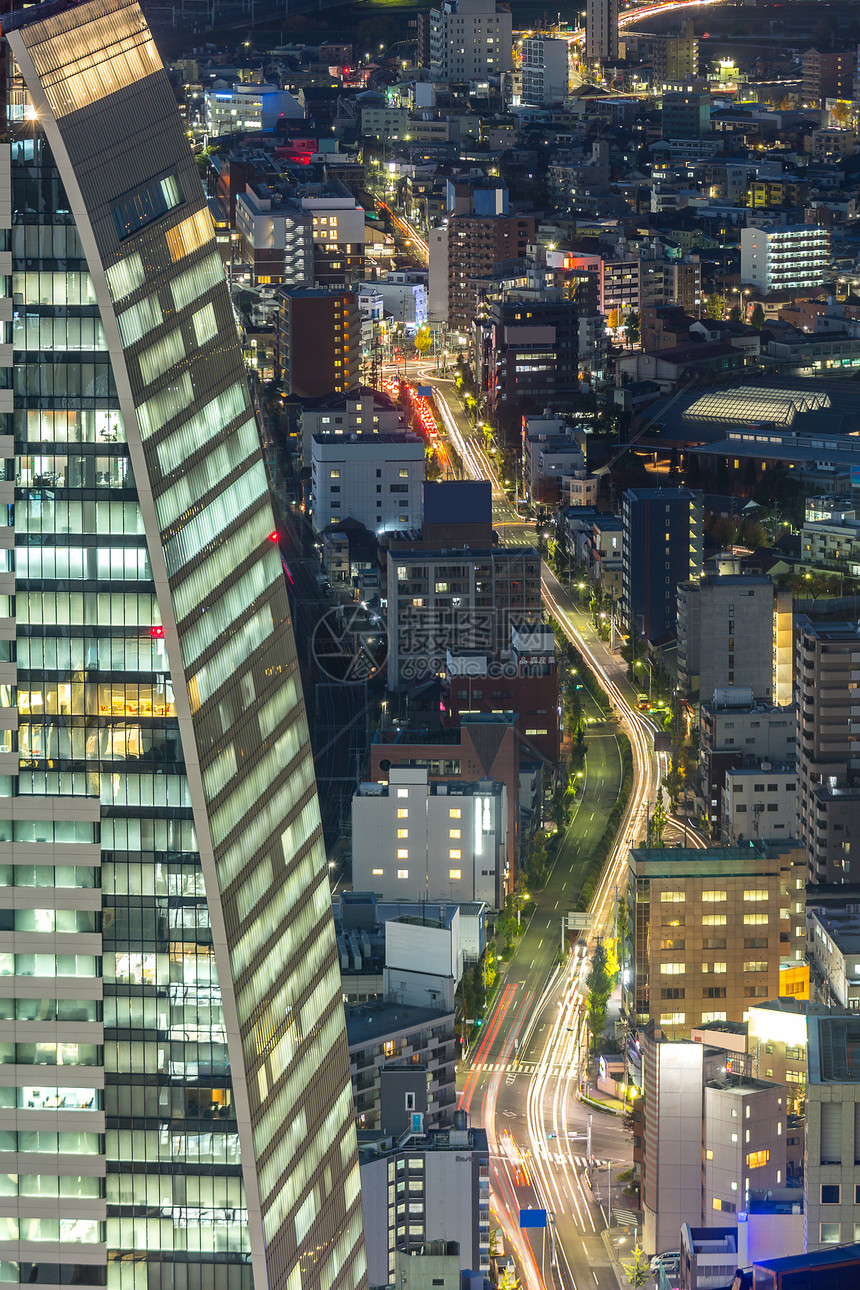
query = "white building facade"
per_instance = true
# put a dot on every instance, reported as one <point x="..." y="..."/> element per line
<point x="787" y="255"/>
<point x="545" y="70"/>
<point x="416" y="840"/>
<point x="470" y="40"/>
<point x="373" y="478"/>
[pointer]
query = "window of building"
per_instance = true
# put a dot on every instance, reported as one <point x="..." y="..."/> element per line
<point x="830" y="1233"/>
<point x="403" y="833"/>
<point x="671" y="897"/>
<point x="673" y="969"/>
<point x="403" y="792"/>
<point x="454" y="813"/>
<point x="710" y="897"/>
<point x="456" y="874"/>
<point x="403" y="813"/>
<point x="402" y="853"/>
<point x="755" y="920"/>
<point x="454" y="833"/>
<point x="402" y="873"/>
<point x="831" y="1193"/>
<point x="756" y="1159"/>
<point x="455" y="855"/>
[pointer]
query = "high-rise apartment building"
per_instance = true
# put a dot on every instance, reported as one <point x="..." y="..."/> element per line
<point x="468" y="40"/>
<point x="828" y="762"/>
<point x="546" y="73"/>
<point x="176" y="1079"/>
<point x="735" y="631"/>
<point x="662" y="546"/>
<point x="601" y="30"/>
<point x="317" y="341"/>
<point x="475" y="244"/>
<point x="675" y="56"/>
<point x="788" y="255"/>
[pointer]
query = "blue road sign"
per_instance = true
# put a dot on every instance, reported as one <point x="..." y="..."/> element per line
<point x="532" y="1218"/>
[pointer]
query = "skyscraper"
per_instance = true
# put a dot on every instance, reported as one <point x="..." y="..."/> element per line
<point x="176" y="1086"/>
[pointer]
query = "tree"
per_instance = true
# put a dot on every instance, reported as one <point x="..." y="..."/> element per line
<point x="715" y="307"/>
<point x="507" y="1281"/>
<point x="840" y="113"/>
<point x="423" y="340"/>
<point x="598" y="984"/>
<point x="632" y="328"/>
<point x="757" y="318"/>
<point x="735" y="314"/>
<point x="637" y="1267"/>
<point x="613" y="319"/>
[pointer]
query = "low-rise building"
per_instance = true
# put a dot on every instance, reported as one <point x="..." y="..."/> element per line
<point x="709" y="1138"/>
<point x="486" y="745"/>
<point x="373" y="478"/>
<point x="439" y="840"/>
<point x="760" y="802"/>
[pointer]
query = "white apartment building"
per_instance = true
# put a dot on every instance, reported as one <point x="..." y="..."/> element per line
<point x="297" y="242"/>
<point x="831" y="1179"/>
<point x="417" y="840"/>
<point x="373" y="478"/>
<point x="389" y="123"/>
<point x="470" y="40"/>
<point x="760" y="802"/>
<point x="404" y="296"/>
<point x="545" y="70"/>
<point x="601" y="30"/>
<point x="422" y="1188"/>
<point x="785" y="255"/>
<point x="249" y="107"/>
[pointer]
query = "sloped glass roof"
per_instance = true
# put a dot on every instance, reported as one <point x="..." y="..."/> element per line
<point x="755" y="403"/>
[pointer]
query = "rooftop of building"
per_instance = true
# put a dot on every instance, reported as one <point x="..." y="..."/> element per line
<point x="821" y="631"/>
<point x="458" y="501"/>
<point x="764" y="768"/>
<point x="670" y="862"/>
<point x="843" y="928"/>
<point x="436" y="788"/>
<point x="833" y="1056"/>
<point x="357" y="439"/>
<point x="368" y="1022"/>
<point x="373" y="1142"/>
<point x="845" y="1254"/>
<point x="450" y="738"/>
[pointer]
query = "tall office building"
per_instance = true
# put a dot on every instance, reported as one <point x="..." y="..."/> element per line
<point x="176" y="1093"/>
<point x="601" y="30"/>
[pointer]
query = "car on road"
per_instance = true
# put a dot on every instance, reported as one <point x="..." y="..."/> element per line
<point x="670" y="1261"/>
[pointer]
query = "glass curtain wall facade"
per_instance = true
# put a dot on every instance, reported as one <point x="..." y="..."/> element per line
<point x="175" y="1101"/>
